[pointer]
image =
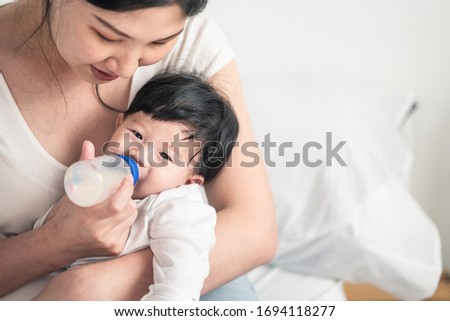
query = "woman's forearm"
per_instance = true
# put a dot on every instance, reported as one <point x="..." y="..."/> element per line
<point x="246" y="231"/>
<point x="126" y="278"/>
<point x="28" y="256"/>
<point x="237" y="252"/>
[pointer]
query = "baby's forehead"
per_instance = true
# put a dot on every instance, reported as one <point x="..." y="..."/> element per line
<point x="153" y="124"/>
<point x="176" y="132"/>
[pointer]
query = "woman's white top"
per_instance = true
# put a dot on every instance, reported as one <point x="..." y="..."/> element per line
<point x="31" y="180"/>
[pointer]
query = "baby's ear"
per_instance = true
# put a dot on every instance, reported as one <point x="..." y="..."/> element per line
<point x="120" y="119"/>
<point x="195" y="179"/>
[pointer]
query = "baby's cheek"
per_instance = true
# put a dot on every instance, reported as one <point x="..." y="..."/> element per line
<point x="112" y="147"/>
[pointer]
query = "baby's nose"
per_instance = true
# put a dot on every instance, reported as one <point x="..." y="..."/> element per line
<point x="138" y="155"/>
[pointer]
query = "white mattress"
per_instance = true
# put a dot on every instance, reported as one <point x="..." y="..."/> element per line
<point x="275" y="284"/>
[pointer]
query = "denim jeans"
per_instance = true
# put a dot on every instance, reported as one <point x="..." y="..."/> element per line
<point x="240" y="289"/>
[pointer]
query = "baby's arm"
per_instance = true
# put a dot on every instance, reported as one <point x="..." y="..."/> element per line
<point x="181" y="236"/>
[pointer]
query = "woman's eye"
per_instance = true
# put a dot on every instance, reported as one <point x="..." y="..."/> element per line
<point x="104" y="38"/>
<point x="160" y="44"/>
<point x="137" y="134"/>
<point x="165" y="156"/>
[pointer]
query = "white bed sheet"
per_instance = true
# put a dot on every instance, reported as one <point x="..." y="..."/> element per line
<point x="356" y="223"/>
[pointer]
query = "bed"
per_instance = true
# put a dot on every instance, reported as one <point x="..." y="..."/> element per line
<point x="348" y="217"/>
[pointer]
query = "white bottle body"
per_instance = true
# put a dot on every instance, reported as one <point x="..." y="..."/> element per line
<point x="90" y="182"/>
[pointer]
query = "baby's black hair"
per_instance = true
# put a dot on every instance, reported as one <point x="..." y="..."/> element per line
<point x="187" y="98"/>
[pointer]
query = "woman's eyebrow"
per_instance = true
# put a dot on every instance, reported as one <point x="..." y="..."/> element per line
<point x="123" y="34"/>
<point x="170" y="37"/>
<point x="112" y="28"/>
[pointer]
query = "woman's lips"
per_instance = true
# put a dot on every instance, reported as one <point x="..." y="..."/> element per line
<point x="101" y="75"/>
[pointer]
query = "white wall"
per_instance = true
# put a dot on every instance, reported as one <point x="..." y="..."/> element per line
<point x="405" y="43"/>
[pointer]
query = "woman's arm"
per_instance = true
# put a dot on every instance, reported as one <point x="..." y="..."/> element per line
<point x="70" y="233"/>
<point x="246" y="229"/>
<point x="125" y="278"/>
<point x="28" y="256"/>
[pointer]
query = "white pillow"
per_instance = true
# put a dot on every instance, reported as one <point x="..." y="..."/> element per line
<point x="356" y="222"/>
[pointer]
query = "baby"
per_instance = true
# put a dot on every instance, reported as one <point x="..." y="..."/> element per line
<point x="180" y="132"/>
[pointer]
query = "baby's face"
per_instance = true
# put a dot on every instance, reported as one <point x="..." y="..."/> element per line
<point x="160" y="150"/>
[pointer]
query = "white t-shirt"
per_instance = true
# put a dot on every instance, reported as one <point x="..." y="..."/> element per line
<point x="31" y="180"/>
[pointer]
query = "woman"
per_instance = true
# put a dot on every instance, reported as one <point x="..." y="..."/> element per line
<point x="67" y="67"/>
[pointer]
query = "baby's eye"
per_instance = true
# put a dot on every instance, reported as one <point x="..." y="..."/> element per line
<point x="137" y="134"/>
<point x="165" y="156"/>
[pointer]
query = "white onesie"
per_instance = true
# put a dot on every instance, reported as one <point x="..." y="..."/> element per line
<point x="179" y="227"/>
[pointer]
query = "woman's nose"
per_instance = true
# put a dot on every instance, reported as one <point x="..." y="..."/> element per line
<point x="123" y="65"/>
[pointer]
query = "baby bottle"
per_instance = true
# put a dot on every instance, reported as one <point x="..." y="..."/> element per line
<point x="89" y="182"/>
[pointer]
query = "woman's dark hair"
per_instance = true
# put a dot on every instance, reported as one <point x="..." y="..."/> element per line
<point x="186" y="98"/>
<point x="190" y="7"/>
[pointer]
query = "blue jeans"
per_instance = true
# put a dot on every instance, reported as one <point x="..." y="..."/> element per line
<point x="240" y="289"/>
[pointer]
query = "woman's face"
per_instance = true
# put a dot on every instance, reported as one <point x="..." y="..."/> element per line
<point x="102" y="45"/>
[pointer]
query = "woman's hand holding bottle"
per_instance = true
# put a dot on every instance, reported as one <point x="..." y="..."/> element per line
<point x="98" y="230"/>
